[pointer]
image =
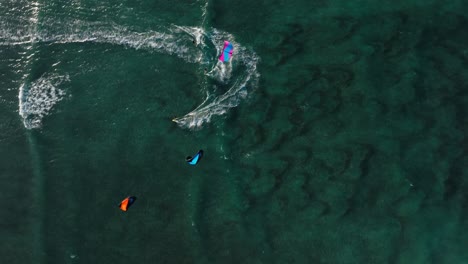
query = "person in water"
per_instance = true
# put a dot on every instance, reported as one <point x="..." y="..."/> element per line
<point x="195" y="159"/>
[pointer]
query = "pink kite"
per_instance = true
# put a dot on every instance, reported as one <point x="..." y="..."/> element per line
<point x="227" y="52"/>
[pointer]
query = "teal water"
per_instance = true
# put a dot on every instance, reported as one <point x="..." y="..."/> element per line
<point x="336" y="135"/>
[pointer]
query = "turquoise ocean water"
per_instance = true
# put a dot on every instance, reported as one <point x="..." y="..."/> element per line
<point x="335" y="135"/>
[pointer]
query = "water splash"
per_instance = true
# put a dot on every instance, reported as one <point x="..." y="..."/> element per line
<point x="37" y="98"/>
<point x="239" y="86"/>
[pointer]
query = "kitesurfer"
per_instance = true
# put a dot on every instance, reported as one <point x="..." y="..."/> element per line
<point x="226" y="54"/>
<point x="126" y="203"/>
<point x="195" y="159"/>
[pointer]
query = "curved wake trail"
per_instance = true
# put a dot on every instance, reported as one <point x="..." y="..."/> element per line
<point x="221" y="75"/>
<point x="36" y="99"/>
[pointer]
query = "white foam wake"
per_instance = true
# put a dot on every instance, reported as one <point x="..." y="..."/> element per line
<point x="174" y="40"/>
<point x="239" y="86"/>
<point x="36" y="99"/>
